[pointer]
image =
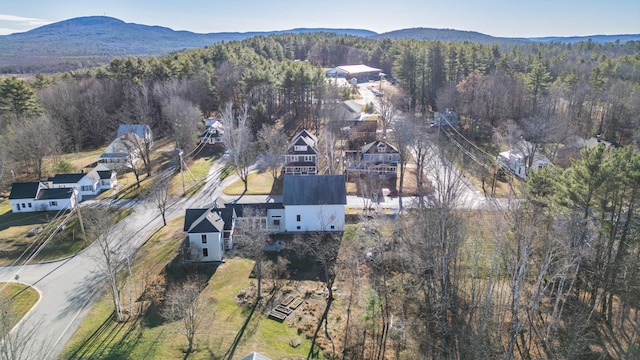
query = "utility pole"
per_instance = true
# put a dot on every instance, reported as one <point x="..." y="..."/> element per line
<point x="184" y="191"/>
<point x="75" y="196"/>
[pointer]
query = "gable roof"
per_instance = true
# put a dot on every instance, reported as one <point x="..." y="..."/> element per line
<point x="55" y="194"/>
<point x="24" y="190"/>
<point x="255" y="356"/>
<point x="142" y="130"/>
<point x="372" y="147"/>
<point x="104" y="174"/>
<point x="352" y="106"/>
<point x="68" y="178"/>
<point x="207" y="222"/>
<point x="314" y="190"/>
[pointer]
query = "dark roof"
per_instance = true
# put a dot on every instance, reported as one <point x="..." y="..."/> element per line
<point x="104" y="174"/>
<point x="227" y="216"/>
<point x="68" y="178"/>
<point x="191" y="215"/>
<point x="208" y="221"/>
<point x="53" y="194"/>
<point x="25" y="190"/>
<point x="314" y="190"/>
<point x="261" y="207"/>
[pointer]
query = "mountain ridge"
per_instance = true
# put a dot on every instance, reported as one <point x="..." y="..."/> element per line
<point x="92" y="40"/>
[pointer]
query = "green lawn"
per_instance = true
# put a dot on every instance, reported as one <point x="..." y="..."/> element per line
<point x="17" y="243"/>
<point x="149" y="336"/>
<point x="21" y="299"/>
<point x="259" y="183"/>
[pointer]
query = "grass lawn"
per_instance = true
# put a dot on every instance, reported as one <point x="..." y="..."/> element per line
<point x="149" y="336"/>
<point x="259" y="183"/>
<point x="194" y="175"/>
<point x="21" y="299"/>
<point x="17" y="242"/>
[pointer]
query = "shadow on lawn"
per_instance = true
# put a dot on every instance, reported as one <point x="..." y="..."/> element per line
<point x="116" y="340"/>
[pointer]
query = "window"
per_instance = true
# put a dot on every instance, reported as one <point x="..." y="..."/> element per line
<point x="308" y="158"/>
<point x="86" y="188"/>
<point x="53" y="203"/>
<point x="297" y="217"/>
<point x="23" y="205"/>
<point x="204" y="238"/>
<point x="333" y="227"/>
<point x="276" y="222"/>
<point x="300" y="148"/>
<point x="205" y="252"/>
<point x="298" y="227"/>
<point x="29" y="204"/>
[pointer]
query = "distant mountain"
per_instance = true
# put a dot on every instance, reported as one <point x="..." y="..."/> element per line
<point x="87" y="41"/>
<point x="90" y="41"/>
<point x="447" y="35"/>
<point x="601" y="39"/>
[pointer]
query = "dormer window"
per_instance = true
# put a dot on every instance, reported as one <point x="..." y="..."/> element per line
<point x="300" y="148"/>
<point x="382" y="148"/>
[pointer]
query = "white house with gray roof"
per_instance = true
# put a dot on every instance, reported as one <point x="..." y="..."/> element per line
<point x="35" y="196"/>
<point x="206" y="231"/>
<point x="314" y="203"/>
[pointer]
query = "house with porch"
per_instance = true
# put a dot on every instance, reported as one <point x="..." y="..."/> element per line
<point x="86" y="184"/>
<point x="375" y="158"/>
<point x="301" y="157"/>
<point x="310" y="203"/>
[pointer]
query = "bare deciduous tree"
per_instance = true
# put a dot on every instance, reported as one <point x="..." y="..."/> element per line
<point x="18" y="339"/>
<point x="160" y="195"/>
<point x="273" y="143"/>
<point x="31" y="140"/>
<point x="99" y="225"/>
<point x="238" y="140"/>
<point x="183" y="117"/>
<point x="183" y="302"/>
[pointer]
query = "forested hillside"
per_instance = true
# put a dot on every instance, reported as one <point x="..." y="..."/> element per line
<point x="554" y="276"/>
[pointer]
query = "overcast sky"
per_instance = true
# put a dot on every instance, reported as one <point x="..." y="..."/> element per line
<point x="507" y="18"/>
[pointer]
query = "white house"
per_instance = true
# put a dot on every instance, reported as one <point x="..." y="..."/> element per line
<point x="108" y="178"/>
<point x="301" y="157"/>
<point x="516" y="159"/>
<point x="35" y="196"/>
<point x="86" y="184"/>
<point x="314" y="203"/>
<point x="205" y="235"/>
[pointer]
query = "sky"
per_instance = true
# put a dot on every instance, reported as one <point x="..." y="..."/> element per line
<point x="504" y="18"/>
